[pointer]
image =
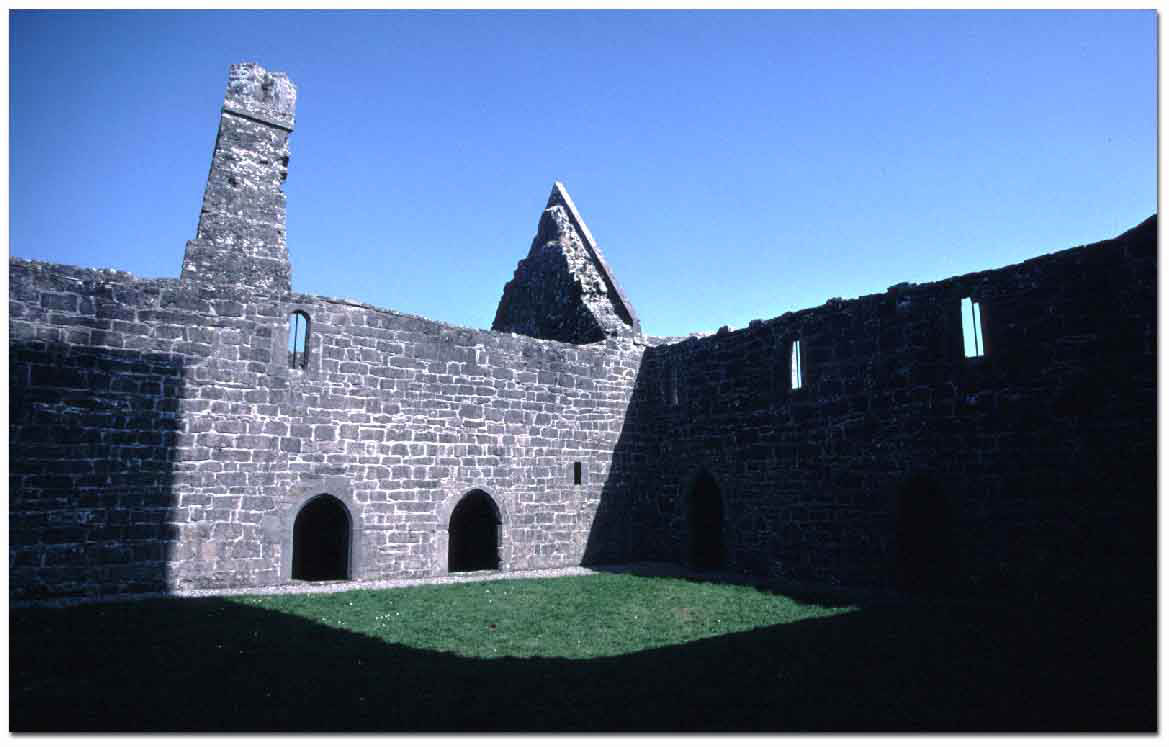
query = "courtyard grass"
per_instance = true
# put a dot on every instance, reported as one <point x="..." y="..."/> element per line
<point x="604" y="652"/>
<point x="582" y="617"/>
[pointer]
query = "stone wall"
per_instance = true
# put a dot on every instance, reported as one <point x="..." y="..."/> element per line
<point x="162" y="440"/>
<point x="97" y="362"/>
<point x="1043" y="448"/>
<point x="162" y="437"/>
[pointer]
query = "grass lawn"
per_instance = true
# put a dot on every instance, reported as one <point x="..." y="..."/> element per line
<point x="604" y="652"/>
<point x="580" y="617"/>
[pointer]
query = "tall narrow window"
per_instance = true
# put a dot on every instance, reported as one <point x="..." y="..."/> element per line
<point x="972" y="328"/>
<point x="576" y="473"/>
<point x="797" y="367"/>
<point x="297" y="339"/>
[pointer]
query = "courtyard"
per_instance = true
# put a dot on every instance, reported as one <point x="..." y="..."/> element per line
<point x="608" y="652"/>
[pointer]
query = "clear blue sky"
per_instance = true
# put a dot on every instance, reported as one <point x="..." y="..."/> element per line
<point x="732" y="165"/>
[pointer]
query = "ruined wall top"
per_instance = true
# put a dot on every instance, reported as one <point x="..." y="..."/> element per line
<point x="254" y="92"/>
<point x="564" y="289"/>
<point x="620" y="302"/>
<point x="241" y="237"/>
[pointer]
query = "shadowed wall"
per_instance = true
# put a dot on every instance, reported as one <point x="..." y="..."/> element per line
<point x="1044" y="447"/>
<point x="173" y="407"/>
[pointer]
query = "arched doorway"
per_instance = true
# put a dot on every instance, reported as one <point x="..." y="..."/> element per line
<point x="474" y="534"/>
<point x="704" y="523"/>
<point x="925" y="542"/>
<point x="320" y="541"/>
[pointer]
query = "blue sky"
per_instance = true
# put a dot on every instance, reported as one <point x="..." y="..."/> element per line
<point x="732" y="165"/>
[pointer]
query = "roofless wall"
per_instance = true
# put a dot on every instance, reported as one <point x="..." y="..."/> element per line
<point x="168" y="434"/>
<point x="1040" y="448"/>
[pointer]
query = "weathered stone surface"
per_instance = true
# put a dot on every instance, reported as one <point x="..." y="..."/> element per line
<point x="564" y="290"/>
<point x="241" y="234"/>
<point x="254" y="92"/>
<point x="1044" y="448"/>
<point x="193" y="418"/>
<point x="159" y="437"/>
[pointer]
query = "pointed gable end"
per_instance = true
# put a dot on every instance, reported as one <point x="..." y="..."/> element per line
<point x="617" y="297"/>
<point x="564" y="289"/>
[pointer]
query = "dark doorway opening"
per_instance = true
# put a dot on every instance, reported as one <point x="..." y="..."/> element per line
<point x="925" y="541"/>
<point x="320" y="541"/>
<point x="474" y="534"/>
<point x="704" y="522"/>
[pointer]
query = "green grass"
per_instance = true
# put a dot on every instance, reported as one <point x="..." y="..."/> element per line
<point x="591" y="653"/>
<point x="582" y="617"/>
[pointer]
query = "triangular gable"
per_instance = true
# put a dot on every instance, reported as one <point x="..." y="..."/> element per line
<point x="621" y="304"/>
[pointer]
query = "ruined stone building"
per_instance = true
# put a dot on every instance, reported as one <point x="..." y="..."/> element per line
<point x="220" y="430"/>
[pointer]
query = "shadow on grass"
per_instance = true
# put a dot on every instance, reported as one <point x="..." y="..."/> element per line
<point x="803" y="592"/>
<point x="217" y="665"/>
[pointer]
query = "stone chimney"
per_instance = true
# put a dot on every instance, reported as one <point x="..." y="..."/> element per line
<point x="241" y="234"/>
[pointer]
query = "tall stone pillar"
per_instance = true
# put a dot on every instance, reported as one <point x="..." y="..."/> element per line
<point x="241" y="234"/>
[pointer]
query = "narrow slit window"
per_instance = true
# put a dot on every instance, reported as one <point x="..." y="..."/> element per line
<point x="576" y="473"/>
<point x="972" y="328"/>
<point x="297" y="339"/>
<point x="797" y="367"/>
